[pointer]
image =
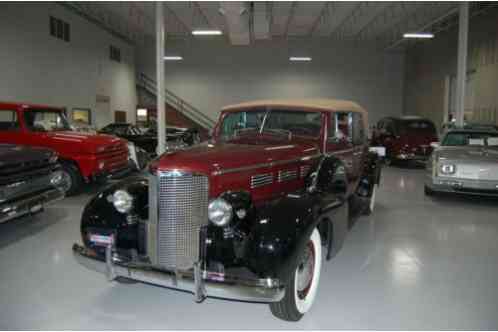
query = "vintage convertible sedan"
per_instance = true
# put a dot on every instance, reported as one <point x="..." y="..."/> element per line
<point x="466" y="163"/>
<point x="245" y="215"/>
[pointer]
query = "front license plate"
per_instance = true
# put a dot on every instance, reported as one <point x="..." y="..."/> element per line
<point x="102" y="240"/>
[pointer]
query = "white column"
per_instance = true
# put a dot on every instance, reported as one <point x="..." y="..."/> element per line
<point x="161" y="106"/>
<point x="463" y="29"/>
<point x="446" y="105"/>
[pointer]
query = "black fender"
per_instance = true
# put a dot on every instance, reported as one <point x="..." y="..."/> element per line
<point x="101" y="215"/>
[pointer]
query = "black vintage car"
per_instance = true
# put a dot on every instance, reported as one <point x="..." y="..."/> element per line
<point x="175" y="137"/>
<point x="30" y="178"/>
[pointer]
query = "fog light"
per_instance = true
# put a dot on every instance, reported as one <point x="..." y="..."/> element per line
<point x="101" y="165"/>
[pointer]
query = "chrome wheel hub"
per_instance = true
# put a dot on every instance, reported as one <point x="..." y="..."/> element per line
<point x="305" y="271"/>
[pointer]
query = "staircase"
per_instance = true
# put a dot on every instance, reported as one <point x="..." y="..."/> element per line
<point x="178" y="111"/>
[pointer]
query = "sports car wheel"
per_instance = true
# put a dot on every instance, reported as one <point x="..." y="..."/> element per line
<point x="302" y="288"/>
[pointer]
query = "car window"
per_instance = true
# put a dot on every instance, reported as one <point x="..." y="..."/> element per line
<point x="470" y="138"/>
<point x="45" y="120"/>
<point x="235" y="123"/>
<point x="306" y="124"/>
<point x="8" y="120"/>
<point x="358" y="129"/>
<point x="416" y="127"/>
<point x="344" y="127"/>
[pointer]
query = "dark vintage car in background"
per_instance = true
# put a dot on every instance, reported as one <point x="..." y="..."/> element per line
<point x="466" y="162"/>
<point x="30" y="178"/>
<point x="147" y="140"/>
<point x="406" y="138"/>
<point x="244" y="215"/>
<point x="84" y="157"/>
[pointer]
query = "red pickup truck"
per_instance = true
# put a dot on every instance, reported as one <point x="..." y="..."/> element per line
<point x="84" y="157"/>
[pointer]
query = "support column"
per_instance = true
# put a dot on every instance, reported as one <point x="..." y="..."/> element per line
<point x="463" y="29"/>
<point x="161" y="105"/>
<point x="446" y="105"/>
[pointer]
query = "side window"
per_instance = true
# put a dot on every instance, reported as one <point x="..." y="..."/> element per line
<point x="358" y="129"/>
<point x="8" y="121"/>
<point x="344" y="130"/>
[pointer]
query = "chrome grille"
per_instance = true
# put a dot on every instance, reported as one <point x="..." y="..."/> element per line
<point x="261" y="180"/>
<point x="287" y="175"/>
<point x="182" y="207"/>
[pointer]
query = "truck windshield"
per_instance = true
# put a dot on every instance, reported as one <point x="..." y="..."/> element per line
<point x="278" y="122"/>
<point x="45" y="120"/>
<point x="470" y="139"/>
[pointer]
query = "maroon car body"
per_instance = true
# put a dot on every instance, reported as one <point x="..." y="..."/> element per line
<point x="243" y="216"/>
<point x="405" y="138"/>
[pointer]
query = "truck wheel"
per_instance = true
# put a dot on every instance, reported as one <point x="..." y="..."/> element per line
<point x="302" y="288"/>
<point x="428" y="191"/>
<point x="71" y="178"/>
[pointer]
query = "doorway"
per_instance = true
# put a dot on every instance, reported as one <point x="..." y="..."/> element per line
<point x="103" y="111"/>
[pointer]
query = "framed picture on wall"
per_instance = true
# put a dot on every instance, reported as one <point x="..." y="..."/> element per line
<point x="120" y="116"/>
<point x="82" y="115"/>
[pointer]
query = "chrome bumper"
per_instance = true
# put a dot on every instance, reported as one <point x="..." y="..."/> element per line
<point x="263" y="290"/>
<point x="32" y="204"/>
<point x="463" y="186"/>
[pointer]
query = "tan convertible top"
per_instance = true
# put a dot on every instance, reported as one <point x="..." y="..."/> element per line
<point x="300" y="104"/>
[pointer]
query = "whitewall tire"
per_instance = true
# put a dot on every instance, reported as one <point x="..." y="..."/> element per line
<point x="301" y="290"/>
<point x="371" y="202"/>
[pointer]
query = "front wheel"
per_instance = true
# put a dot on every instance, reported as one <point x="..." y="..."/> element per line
<point x="302" y="288"/>
<point x="71" y="178"/>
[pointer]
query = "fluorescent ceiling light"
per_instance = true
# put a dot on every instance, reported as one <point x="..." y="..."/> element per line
<point x="300" y="58"/>
<point x="206" y="32"/>
<point x="173" y="58"/>
<point x="419" y="35"/>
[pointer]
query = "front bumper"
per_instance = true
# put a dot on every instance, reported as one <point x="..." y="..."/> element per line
<point x="29" y="204"/>
<point x="462" y="186"/>
<point x="412" y="157"/>
<point x="196" y="282"/>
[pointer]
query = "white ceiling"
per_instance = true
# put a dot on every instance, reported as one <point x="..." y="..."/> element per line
<point x="243" y="22"/>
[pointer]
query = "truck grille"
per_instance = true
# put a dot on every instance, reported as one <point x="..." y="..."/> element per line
<point x="182" y="207"/>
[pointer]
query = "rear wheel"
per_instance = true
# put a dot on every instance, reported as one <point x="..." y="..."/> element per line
<point x="302" y="288"/>
<point x="71" y="178"/>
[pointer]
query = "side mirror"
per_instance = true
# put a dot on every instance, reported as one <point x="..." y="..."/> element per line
<point x="435" y="145"/>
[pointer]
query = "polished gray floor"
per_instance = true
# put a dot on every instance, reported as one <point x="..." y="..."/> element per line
<point x="416" y="263"/>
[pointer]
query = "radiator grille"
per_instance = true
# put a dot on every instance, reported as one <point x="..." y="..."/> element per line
<point x="304" y="170"/>
<point x="287" y="175"/>
<point x="182" y="205"/>
<point x="261" y="180"/>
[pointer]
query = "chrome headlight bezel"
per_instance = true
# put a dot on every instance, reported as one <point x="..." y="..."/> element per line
<point x="447" y="169"/>
<point x="122" y="201"/>
<point x="220" y="212"/>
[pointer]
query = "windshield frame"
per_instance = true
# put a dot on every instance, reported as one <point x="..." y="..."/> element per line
<point x="60" y="113"/>
<point x="262" y="127"/>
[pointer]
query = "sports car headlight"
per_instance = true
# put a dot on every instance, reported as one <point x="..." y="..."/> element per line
<point x="220" y="212"/>
<point x="122" y="200"/>
<point x="447" y="169"/>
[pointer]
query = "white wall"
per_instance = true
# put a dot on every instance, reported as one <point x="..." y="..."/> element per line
<point x="214" y="74"/>
<point x="38" y="68"/>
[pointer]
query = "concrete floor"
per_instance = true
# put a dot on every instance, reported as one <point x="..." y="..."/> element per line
<point x="416" y="263"/>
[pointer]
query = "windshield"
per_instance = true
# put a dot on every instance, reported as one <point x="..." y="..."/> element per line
<point x="416" y="127"/>
<point x="278" y="122"/>
<point x="45" y="120"/>
<point x="470" y="139"/>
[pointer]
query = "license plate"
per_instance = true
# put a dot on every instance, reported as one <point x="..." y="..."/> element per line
<point x="102" y="240"/>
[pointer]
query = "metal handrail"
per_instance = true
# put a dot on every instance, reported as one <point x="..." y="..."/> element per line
<point x="180" y="104"/>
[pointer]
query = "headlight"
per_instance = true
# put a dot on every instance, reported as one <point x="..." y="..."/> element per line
<point x="447" y="169"/>
<point x="101" y="164"/>
<point x="122" y="200"/>
<point x="220" y="212"/>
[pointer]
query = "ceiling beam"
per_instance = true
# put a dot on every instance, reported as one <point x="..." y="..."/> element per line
<point x="290" y="17"/>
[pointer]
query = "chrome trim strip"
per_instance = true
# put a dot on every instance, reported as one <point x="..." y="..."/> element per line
<point x="287" y="175"/>
<point x="260" y="180"/>
<point x="267" y="164"/>
<point x="151" y="229"/>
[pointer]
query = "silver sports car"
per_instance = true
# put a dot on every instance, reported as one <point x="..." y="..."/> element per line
<point x="466" y="162"/>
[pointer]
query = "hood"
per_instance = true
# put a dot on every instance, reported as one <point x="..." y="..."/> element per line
<point x="477" y="154"/>
<point x="83" y="142"/>
<point x="14" y="154"/>
<point x="413" y="140"/>
<point x="210" y="157"/>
